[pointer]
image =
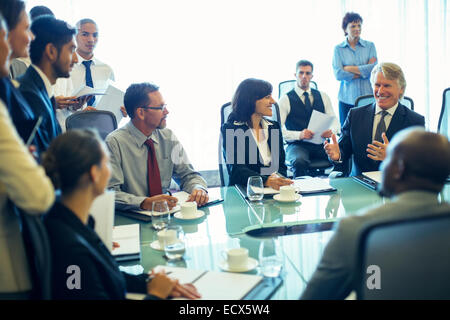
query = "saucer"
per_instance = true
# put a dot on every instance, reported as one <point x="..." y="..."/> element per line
<point x="155" y="245"/>
<point x="251" y="264"/>
<point x="277" y="197"/>
<point x="198" y="214"/>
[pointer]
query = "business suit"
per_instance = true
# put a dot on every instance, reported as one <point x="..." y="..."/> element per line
<point x="241" y="162"/>
<point x="357" y="134"/>
<point x="334" y="276"/>
<point x="34" y="91"/>
<point x="24" y="185"/>
<point x="76" y="244"/>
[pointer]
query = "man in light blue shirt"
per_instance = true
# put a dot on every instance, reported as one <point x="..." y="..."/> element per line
<point x="131" y="156"/>
<point x="353" y="61"/>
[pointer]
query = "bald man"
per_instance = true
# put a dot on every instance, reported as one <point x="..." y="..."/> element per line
<point x="412" y="180"/>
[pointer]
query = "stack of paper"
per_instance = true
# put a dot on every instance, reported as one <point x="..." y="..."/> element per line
<point x="128" y="238"/>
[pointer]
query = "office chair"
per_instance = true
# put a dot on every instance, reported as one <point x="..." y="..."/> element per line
<point x="286" y="86"/>
<point x="412" y="257"/>
<point x="104" y="121"/>
<point x="369" y="99"/>
<point x="444" y="119"/>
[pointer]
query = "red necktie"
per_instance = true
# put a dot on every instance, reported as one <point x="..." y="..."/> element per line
<point x="154" y="179"/>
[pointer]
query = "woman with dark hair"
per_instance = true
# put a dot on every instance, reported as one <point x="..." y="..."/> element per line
<point x="253" y="144"/>
<point x="78" y="164"/>
<point x="353" y="60"/>
<point x="23" y="185"/>
<point x="19" y="38"/>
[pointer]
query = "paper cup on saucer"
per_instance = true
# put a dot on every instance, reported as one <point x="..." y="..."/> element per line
<point x="189" y="210"/>
<point x="287" y="193"/>
<point x="236" y="258"/>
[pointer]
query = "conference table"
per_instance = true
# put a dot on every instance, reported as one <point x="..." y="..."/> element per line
<point x="302" y="228"/>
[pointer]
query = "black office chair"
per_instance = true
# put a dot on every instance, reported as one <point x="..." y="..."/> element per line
<point x="104" y="121"/>
<point x="411" y="259"/>
<point x="369" y="99"/>
<point x="286" y="86"/>
<point x="444" y="119"/>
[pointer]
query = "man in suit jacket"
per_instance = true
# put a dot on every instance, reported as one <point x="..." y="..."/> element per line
<point x="52" y="54"/>
<point x="368" y="129"/>
<point x="413" y="177"/>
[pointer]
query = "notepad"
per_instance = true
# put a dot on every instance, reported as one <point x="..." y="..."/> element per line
<point x="306" y="186"/>
<point x="128" y="237"/>
<point x="215" y="285"/>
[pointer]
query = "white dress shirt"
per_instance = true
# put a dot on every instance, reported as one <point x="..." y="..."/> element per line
<point x="48" y="85"/>
<point x="263" y="145"/>
<point x="387" y="118"/>
<point x="285" y="109"/>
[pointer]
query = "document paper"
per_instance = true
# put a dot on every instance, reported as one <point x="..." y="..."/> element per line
<point x="319" y="123"/>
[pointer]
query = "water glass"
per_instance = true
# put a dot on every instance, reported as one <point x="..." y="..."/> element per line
<point x="160" y="214"/>
<point x="270" y="257"/>
<point x="174" y="245"/>
<point x="255" y="188"/>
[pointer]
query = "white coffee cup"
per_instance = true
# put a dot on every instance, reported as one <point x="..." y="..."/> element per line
<point x="287" y="193"/>
<point x="166" y="237"/>
<point x="236" y="258"/>
<point x="189" y="209"/>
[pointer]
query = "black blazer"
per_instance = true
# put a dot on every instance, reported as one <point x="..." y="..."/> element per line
<point x="243" y="158"/>
<point x="357" y="134"/>
<point x="73" y="243"/>
<point x="33" y="89"/>
<point x="21" y="114"/>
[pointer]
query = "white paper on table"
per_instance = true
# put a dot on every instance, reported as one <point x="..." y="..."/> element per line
<point x="310" y="184"/>
<point x="319" y="123"/>
<point x="128" y="237"/>
<point x="112" y="101"/>
<point x="102" y="210"/>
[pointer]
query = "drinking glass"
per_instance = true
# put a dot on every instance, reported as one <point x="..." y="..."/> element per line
<point x="255" y="188"/>
<point x="174" y="246"/>
<point x="270" y="257"/>
<point x="160" y="214"/>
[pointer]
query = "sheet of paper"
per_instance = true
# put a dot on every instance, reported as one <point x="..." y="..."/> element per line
<point x="305" y="185"/>
<point x="88" y="91"/>
<point x="128" y="237"/>
<point x="319" y="123"/>
<point x="112" y="101"/>
<point x="102" y="210"/>
<point x="183" y="275"/>
<point x="374" y="175"/>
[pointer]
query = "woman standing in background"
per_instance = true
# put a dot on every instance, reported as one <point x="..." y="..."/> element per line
<point x="353" y="60"/>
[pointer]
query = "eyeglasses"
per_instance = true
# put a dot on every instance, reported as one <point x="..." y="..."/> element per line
<point x="161" y="107"/>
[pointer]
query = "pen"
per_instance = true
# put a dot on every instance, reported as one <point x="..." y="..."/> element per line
<point x="213" y="202"/>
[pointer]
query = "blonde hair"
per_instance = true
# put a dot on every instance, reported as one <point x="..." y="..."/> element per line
<point x="390" y="71"/>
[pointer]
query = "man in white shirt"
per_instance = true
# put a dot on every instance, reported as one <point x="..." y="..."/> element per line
<point x="296" y="108"/>
<point x="89" y="71"/>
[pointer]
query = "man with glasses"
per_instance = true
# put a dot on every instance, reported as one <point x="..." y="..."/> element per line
<point x="145" y="155"/>
<point x="296" y="108"/>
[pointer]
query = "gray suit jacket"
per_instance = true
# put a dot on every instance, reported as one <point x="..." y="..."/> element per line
<point x="334" y="276"/>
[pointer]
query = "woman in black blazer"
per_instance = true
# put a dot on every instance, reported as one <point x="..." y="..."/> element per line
<point x="253" y="145"/>
<point x="82" y="267"/>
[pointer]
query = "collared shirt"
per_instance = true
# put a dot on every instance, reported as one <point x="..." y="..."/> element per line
<point x="263" y="145"/>
<point x="48" y="85"/>
<point x="387" y="118"/>
<point x="345" y="55"/>
<point x="129" y="156"/>
<point x="285" y="109"/>
<point x="101" y="74"/>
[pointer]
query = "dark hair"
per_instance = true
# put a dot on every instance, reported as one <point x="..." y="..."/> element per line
<point x="39" y="11"/>
<point x="244" y="99"/>
<point x="349" y="18"/>
<point x="47" y="29"/>
<point x="84" y="21"/>
<point x="136" y="96"/>
<point x="303" y="63"/>
<point x="11" y="11"/>
<point x="70" y="156"/>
